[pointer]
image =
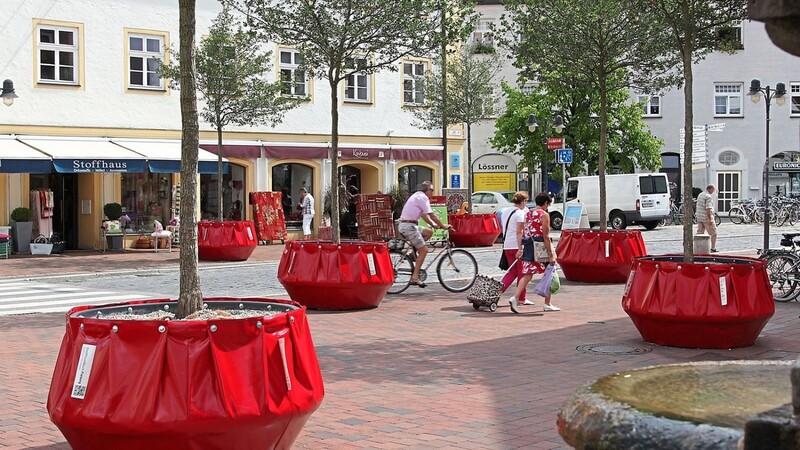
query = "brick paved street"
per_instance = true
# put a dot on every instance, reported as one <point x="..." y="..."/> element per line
<point x="423" y="370"/>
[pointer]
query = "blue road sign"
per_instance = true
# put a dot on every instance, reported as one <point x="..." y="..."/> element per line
<point x="564" y="156"/>
<point x="455" y="181"/>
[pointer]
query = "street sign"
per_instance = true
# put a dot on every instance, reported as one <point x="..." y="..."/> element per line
<point x="455" y="181"/>
<point x="564" y="156"/>
<point x="716" y="127"/>
<point x="555" y="143"/>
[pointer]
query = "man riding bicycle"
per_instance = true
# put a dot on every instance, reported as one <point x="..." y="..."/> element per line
<point x="419" y="206"/>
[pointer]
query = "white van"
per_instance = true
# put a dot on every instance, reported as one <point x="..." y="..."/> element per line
<point x="634" y="198"/>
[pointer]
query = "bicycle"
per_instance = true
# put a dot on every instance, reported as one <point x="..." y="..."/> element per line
<point x="783" y="268"/>
<point x="456" y="268"/>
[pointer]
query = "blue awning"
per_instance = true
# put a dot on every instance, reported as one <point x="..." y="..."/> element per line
<point x="165" y="156"/>
<point x="86" y="155"/>
<point x="16" y="157"/>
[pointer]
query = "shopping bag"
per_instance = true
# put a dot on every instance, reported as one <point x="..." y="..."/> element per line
<point x="543" y="286"/>
<point x="503" y="261"/>
<point x="555" y="285"/>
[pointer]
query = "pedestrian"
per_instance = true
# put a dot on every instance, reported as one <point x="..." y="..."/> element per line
<point x="704" y="213"/>
<point x="306" y="207"/>
<point x="536" y="227"/>
<point x="512" y="221"/>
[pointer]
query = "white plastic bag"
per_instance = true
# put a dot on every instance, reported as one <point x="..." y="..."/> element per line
<point x="543" y="286"/>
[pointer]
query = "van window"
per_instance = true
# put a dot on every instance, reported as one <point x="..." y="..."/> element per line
<point x="652" y="185"/>
<point x="572" y="190"/>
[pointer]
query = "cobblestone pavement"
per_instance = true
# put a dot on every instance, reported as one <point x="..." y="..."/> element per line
<point x="423" y="370"/>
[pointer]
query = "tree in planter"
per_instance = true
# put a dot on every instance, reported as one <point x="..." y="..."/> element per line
<point x="603" y="44"/>
<point x="469" y="97"/>
<point x="232" y="72"/>
<point x="341" y="39"/>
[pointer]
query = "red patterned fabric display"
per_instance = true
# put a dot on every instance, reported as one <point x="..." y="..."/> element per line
<point x="374" y="216"/>
<point x="268" y="216"/>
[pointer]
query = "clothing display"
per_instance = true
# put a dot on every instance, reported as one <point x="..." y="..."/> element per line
<point x="42" y="204"/>
<point x="268" y="217"/>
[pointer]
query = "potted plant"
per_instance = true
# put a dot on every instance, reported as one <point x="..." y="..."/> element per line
<point x="21" y="229"/>
<point x="114" y="235"/>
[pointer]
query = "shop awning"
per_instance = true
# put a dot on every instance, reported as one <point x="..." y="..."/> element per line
<point x="79" y="155"/>
<point x="16" y="157"/>
<point x="165" y="156"/>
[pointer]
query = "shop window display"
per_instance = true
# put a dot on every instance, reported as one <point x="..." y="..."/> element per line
<point x="146" y="197"/>
<point x="232" y="192"/>
<point x="288" y="179"/>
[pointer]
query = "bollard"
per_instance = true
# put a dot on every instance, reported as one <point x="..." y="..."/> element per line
<point x="702" y="244"/>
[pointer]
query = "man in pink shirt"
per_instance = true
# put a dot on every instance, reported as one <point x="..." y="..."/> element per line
<point x="419" y="206"/>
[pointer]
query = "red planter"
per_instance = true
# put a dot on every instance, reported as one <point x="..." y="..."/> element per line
<point x="473" y="230"/>
<point x="592" y="256"/>
<point x="324" y="275"/>
<point x="248" y="383"/>
<point x="715" y="302"/>
<point x="232" y="240"/>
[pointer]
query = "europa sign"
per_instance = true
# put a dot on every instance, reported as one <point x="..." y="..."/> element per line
<point x="783" y="166"/>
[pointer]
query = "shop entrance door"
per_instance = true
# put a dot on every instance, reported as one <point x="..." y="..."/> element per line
<point x="65" y="209"/>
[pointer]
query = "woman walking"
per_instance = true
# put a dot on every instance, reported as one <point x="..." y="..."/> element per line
<point x="512" y="220"/>
<point x="537" y="227"/>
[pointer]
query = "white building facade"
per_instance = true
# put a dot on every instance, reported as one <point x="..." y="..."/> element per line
<point x="84" y="73"/>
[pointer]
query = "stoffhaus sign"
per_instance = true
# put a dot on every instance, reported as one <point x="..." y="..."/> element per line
<point x="783" y="166"/>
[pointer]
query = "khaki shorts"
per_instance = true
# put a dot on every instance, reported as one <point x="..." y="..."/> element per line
<point x="412" y="233"/>
<point x="711" y="227"/>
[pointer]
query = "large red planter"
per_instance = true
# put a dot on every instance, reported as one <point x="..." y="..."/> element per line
<point x="715" y="302"/>
<point x="473" y="230"/>
<point x="324" y="275"/>
<point x="232" y="240"/>
<point x="248" y="383"/>
<point x="592" y="256"/>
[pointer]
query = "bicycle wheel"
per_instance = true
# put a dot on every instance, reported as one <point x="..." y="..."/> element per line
<point x="717" y="219"/>
<point x="782" y="270"/>
<point x="457" y="270"/>
<point x="402" y="272"/>
<point x="737" y="215"/>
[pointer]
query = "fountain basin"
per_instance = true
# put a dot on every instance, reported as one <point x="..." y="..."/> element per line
<point x="701" y="405"/>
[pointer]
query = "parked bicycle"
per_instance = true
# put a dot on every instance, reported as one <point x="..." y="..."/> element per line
<point x="455" y="268"/>
<point x="783" y="268"/>
<point x="676" y="215"/>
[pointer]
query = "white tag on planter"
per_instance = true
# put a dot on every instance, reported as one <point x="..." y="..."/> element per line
<point x="371" y="262"/>
<point x="291" y="263"/>
<point x="723" y="292"/>
<point x="83" y="371"/>
<point x="629" y="283"/>
<point x="608" y="248"/>
<point x="282" y="347"/>
<point x="249" y="233"/>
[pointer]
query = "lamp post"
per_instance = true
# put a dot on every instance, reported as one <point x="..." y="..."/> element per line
<point x="756" y="91"/>
<point x="8" y="94"/>
<point x="558" y="125"/>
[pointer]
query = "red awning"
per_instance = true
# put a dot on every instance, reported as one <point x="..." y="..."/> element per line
<point x="235" y="151"/>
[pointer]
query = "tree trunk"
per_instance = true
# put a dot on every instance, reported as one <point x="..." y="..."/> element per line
<point x="334" y="158"/>
<point x="601" y="164"/>
<point x="220" y="203"/>
<point x="190" y="298"/>
<point x="471" y="188"/>
<point x="688" y="133"/>
<point x="442" y="9"/>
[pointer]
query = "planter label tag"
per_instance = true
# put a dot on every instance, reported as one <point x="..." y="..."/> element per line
<point x="371" y="262"/>
<point x="83" y="371"/>
<point x="723" y="291"/>
<point x="291" y="263"/>
<point x="608" y="248"/>
<point x="629" y="283"/>
<point x="249" y="233"/>
<point x="282" y="347"/>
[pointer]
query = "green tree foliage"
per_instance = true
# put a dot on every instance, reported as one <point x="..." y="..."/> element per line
<point x="693" y="31"/>
<point x="333" y="34"/>
<point x="468" y="99"/>
<point x="604" y="44"/>
<point x="630" y="144"/>
<point x="233" y="74"/>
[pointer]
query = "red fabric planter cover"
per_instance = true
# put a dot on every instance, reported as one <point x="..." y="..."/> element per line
<point x="324" y="275"/>
<point x="582" y="254"/>
<point x="473" y="230"/>
<point x="682" y="305"/>
<point x="186" y="387"/>
<point x="232" y="240"/>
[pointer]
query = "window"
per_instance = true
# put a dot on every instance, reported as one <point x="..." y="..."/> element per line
<point x="295" y="83"/>
<point x="653" y="185"/>
<point x="409" y="177"/>
<point x="651" y="105"/>
<point x="144" y="52"/>
<point x="414" y="83"/>
<point x="233" y="183"/>
<point x="146" y="197"/>
<point x="528" y="88"/>
<point x="572" y="190"/>
<point x="481" y="40"/>
<point x="728" y="99"/>
<point x="288" y="179"/>
<point x="794" y="98"/>
<point x="57" y="48"/>
<point x="729" y="37"/>
<point x="357" y="85"/>
<point x="728" y="158"/>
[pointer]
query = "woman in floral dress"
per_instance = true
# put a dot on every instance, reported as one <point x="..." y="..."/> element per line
<point x="537" y="226"/>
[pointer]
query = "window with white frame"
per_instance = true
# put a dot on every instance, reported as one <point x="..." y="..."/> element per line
<point x="144" y="52"/>
<point x="728" y="99"/>
<point x="729" y="37"/>
<point x="483" y="32"/>
<point x="651" y="105"/>
<point x="57" y="48"/>
<point x="794" y="98"/>
<point x="295" y="83"/>
<point x="414" y="83"/>
<point x="357" y="85"/>
<point x="527" y="88"/>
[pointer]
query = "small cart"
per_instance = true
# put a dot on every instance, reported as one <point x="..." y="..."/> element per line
<point x="485" y="292"/>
